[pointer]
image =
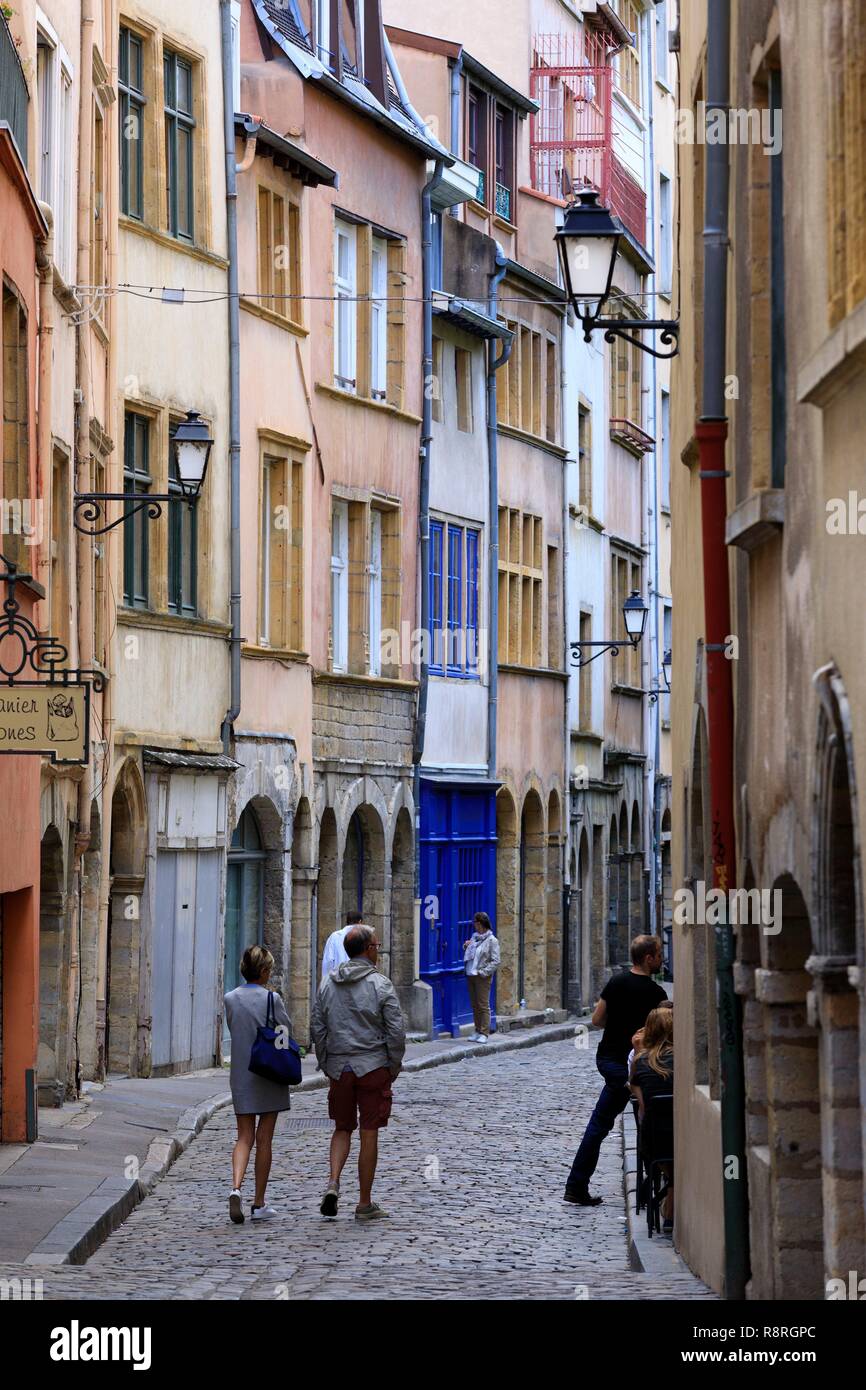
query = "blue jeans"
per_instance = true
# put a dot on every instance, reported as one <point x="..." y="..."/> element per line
<point x="611" y="1103"/>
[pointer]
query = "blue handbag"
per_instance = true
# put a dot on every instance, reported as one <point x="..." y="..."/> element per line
<point x="275" y="1058"/>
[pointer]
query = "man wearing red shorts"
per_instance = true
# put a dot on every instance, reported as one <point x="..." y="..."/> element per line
<point x="358" y="1033"/>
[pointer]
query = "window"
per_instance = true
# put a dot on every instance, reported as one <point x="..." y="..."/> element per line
<point x="136" y="478"/>
<point x="98" y="229"/>
<point x="345" y="308"/>
<point x="279" y="255"/>
<point x="463" y="369"/>
<point x="365" y="587"/>
<point x="453" y="622"/>
<point x="60" y="547"/>
<point x="584" y="456"/>
<point x="554" y="617"/>
<point x="63" y="243"/>
<point x="666" y="647"/>
<point x="625" y="382"/>
<point x="182" y="543"/>
<point x="628" y="62"/>
<point x="340" y="586"/>
<point x="436" y="383"/>
<point x="665" y="235"/>
<point x="476" y="136"/>
<point x="179" y="127"/>
<point x="662" y="41"/>
<point x="323" y="31"/>
<point x="369" y="312"/>
<point x="16" y="426"/>
<point x="503" y="153"/>
<point x="625" y="577"/>
<point x="528" y="394"/>
<point x="665" y="501"/>
<point x="281" y="556"/>
<point x="131" y="117"/>
<point x="379" y="319"/>
<point x="521" y="581"/>
<point x="46" y="86"/>
<point x="584" y="690"/>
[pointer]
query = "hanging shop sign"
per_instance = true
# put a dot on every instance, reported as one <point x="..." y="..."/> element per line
<point x="44" y="706"/>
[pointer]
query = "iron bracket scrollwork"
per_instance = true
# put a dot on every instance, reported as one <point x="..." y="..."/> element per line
<point x="668" y="330"/>
<point x="24" y="651"/>
<point x="91" y="506"/>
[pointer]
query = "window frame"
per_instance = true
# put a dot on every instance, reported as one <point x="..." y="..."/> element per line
<point x="136" y="561"/>
<point x="454" y="597"/>
<point x="346" y="319"/>
<point x="379" y="318"/>
<point x="131" y="105"/>
<point x="340" y="584"/>
<point x="182" y="535"/>
<point x="178" y="120"/>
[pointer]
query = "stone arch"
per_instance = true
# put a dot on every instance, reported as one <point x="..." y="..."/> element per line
<point x="532" y="933"/>
<point x="623" y="904"/>
<point x="363" y="876"/>
<point x="507" y="879"/>
<point x="302" y="952"/>
<point x="613" y="872"/>
<point x="127" y="866"/>
<point x="362" y="792"/>
<point x="276" y="904"/>
<point x="836" y="855"/>
<point x="54" y="940"/>
<point x="556" y="923"/>
<point x="637" y="914"/>
<point x="793" y="1106"/>
<point x="328" y="895"/>
<point x="748" y="951"/>
<point x="579" y="906"/>
<point x="401" y="799"/>
<point x="90" y="1059"/>
<point x="402" y="914"/>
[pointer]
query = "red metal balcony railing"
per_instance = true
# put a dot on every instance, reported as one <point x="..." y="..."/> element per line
<point x="572" y="132"/>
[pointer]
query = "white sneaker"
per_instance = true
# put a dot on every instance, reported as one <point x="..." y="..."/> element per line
<point x="476" y="1037"/>
<point x="482" y="1037"/>
<point x="236" y="1211"/>
<point x="263" y="1213"/>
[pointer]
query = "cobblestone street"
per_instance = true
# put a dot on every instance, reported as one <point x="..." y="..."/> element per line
<point x="472" y="1168"/>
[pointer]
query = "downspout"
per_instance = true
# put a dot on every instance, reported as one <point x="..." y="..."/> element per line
<point x="456" y="77"/>
<point x="234" y="376"/>
<point x="494" y="362"/>
<point x="568" y="463"/>
<point x="652" y="827"/>
<point x="424" y="506"/>
<point x="711" y="433"/>
<point x="44" y="469"/>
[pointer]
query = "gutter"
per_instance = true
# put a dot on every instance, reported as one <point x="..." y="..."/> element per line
<point x="711" y="433"/>
<point x="456" y="78"/>
<point x="234" y="708"/>
<point x="424" y="499"/>
<point x="494" y="362"/>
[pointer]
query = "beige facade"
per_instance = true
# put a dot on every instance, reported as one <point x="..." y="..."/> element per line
<point x="795" y="406"/>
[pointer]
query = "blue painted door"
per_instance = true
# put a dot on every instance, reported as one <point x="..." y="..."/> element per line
<point x="458" y="879"/>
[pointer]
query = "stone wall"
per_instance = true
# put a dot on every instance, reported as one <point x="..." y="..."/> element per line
<point x="357" y="722"/>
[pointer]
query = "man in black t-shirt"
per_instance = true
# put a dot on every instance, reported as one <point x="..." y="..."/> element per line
<point x="625" y="1002"/>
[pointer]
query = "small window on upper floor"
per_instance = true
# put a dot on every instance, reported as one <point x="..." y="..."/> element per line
<point x="180" y="123"/>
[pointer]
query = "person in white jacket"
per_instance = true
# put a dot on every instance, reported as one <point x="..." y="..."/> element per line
<point x="481" y="961"/>
<point x="334" y="953"/>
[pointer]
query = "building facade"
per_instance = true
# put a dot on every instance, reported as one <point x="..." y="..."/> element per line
<point x="794" y="401"/>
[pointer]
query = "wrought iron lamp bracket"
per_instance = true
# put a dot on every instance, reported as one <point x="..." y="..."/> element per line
<point x="668" y="330"/>
<point x="91" y="506"/>
<point x="23" y="650"/>
<point x="578" y="659"/>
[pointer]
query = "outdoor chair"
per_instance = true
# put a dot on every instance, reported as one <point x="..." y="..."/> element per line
<point x="657" y="1143"/>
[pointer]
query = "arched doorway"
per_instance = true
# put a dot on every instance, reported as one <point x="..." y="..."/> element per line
<point x="555" y="920"/>
<point x="328" y="900"/>
<point x="637" y="919"/>
<point x="838" y="894"/>
<point x="507" y="889"/>
<point x="245" y="901"/>
<point x="532" y="924"/>
<point x="577" y="928"/>
<point x="613" y="873"/>
<point x="302" y="956"/>
<point x="126" y="868"/>
<point x="793" y="1108"/>
<point x="53" y="971"/>
<point x="91" y="876"/>
<point x="363" y="878"/>
<point x="401" y="930"/>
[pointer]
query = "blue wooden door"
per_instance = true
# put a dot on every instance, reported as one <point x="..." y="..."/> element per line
<point x="458" y="879"/>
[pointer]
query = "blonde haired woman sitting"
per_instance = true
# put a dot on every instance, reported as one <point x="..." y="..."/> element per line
<point x="246" y="1011"/>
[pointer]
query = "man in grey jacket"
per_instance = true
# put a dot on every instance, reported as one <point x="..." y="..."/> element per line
<point x="358" y="1033"/>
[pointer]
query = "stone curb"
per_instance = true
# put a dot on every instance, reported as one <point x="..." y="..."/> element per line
<point x="646" y="1256"/>
<point x="80" y="1233"/>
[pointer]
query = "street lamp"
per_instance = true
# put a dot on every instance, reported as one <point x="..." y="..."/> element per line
<point x="588" y="245"/>
<point x="191" y="444"/>
<point x="634" y="614"/>
<point x="656" y="690"/>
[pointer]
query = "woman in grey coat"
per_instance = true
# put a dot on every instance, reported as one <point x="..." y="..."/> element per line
<point x="246" y="1011"/>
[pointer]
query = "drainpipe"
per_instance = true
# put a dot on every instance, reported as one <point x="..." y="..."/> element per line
<point x="652" y="822"/>
<point x="44" y="468"/>
<point x="711" y="433"/>
<point x="234" y="375"/>
<point x="494" y="362"/>
<point x="424" y="502"/>
<point x="456" y="76"/>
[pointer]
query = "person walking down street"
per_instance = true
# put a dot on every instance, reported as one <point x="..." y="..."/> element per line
<point x="334" y="953"/>
<point x="358" y="1034"/>
<point x="481" y="961"/>
<point x="626" y="1000"/>
<point x="246" y="1011"/>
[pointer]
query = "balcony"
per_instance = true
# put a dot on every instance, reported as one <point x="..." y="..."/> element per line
<point x="503" y="201"/>
<point x="13" y="89"/>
